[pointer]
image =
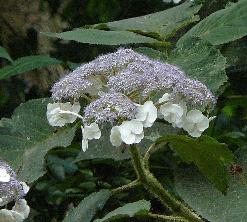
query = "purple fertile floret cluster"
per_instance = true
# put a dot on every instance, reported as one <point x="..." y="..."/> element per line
<point x="123" y="73"/>
<point x="109" y="107"/>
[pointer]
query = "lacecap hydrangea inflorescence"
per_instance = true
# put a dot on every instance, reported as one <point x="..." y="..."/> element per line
<point x="129" y="91"/>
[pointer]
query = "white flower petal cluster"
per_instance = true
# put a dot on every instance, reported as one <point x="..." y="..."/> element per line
<point x="19" y="212"/>
<point x="194" y="122"/>
<point x="129" y="132"/>
<point x="59" y="114"/>
<point x="89" y="132"/>
<point x="4" y="176"/>
<point x="172" y="113"/>
<point x="146" y="113"/>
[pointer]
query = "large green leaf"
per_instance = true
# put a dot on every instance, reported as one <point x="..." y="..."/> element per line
<point x="101" y="37"/>
<point x="88" y="207"/>
<point x="199" y="194"/>
<point x="201" y="61"/>
<point x="163" y="23"/>
<point x="103" y="148"/>
<point x="236" y="55"/>
<point x="222" y="26"/>
<point x="130" y="210"/>
<point x="211" y="157"/>
<point x="4" y="54"/>
<point x="27" y="137"/>
<point x="26" y="64"/>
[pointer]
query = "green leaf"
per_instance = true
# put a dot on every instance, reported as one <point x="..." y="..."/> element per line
<point x="201" y="61"/>
<point x="236" y="55"/>
<point x="222" y="26"/>
<point x="164" y="23"/>
<point x="211" y="157"/>
<point x="26" y="64"/>
<point x="27" y="137"/>
<point x="88" y="207"/>
<point x="212" y="205"/>
<point x="130" y="209"/>
<point x="101" y="37"/>
<point x="103" y="148"/>
<point x="4" y="54"/>
<point x="152" y="53"/>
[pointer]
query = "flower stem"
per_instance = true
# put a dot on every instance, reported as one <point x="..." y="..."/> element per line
<point x="129" y="186"/>
<point x="154" y="187"/>
<point x="167" y="218"/>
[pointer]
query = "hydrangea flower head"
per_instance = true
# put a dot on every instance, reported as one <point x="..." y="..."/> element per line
<point x="123" y="89"/>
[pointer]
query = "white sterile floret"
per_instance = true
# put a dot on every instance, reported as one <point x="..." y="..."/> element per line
<point x="147" y="114"/>
<point x="165" y="98"/>
<point x="129" y="132"/>
<point x="115" y="136"/>
<point x="21" y="207"/>
<point x="25" y="187"/>
<point x="58" y="114"/>
<point x="4" y="176"/>
<point x="172" y="113"/>
<point x="19" y="212"/>
<point x="89" y="132"/>
<point x="195" y="123"/>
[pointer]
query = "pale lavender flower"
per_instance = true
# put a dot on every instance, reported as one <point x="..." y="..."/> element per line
<point x="126" y="71"/>
<point x="109" y="108"/>
<point x="78" y="82"/>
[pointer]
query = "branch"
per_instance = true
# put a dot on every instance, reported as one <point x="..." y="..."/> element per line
<point x="154" y="187"/>
<point x="126" y="187"/>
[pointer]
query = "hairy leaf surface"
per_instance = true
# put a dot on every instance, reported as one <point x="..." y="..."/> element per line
<point x="211" y="157"/>
<point x="222" y="26"/>
<point x="26" y="64"/>
<point x="27" y="137"/>
<point x="88" y="207"/>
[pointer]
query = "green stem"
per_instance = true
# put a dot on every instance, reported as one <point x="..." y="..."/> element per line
<point x="154" y="187"/>
<point x="129" y="186"/>
<point x="166" y="218"/>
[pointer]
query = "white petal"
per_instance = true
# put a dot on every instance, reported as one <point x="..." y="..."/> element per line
<point x="172" y="113"/>
<point x="25" y="187"/>
<point x="195" y="133"/>
<point x="115" y="136"/>
<point x="57" y="118"/>
<point x="203" y="125"/>
<point x="165" y="98"/>
<point x="141" y="114"/>
<point x="21" y="207"/>
<point x="10" y="216"/>
<point x="132" y="126"/>
<point x="147" y="113"/>
<point x="195" y="116"/>
<point x="4" y="176"/>
<point x="211" y="118"/>
<point x="127" y="137"/>
<point x="84" y="144"/>
<point x="91" y="131"/>
<point x="139" y="137"/>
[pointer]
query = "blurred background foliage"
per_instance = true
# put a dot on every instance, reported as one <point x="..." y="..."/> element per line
<point x="68" y="181"/>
